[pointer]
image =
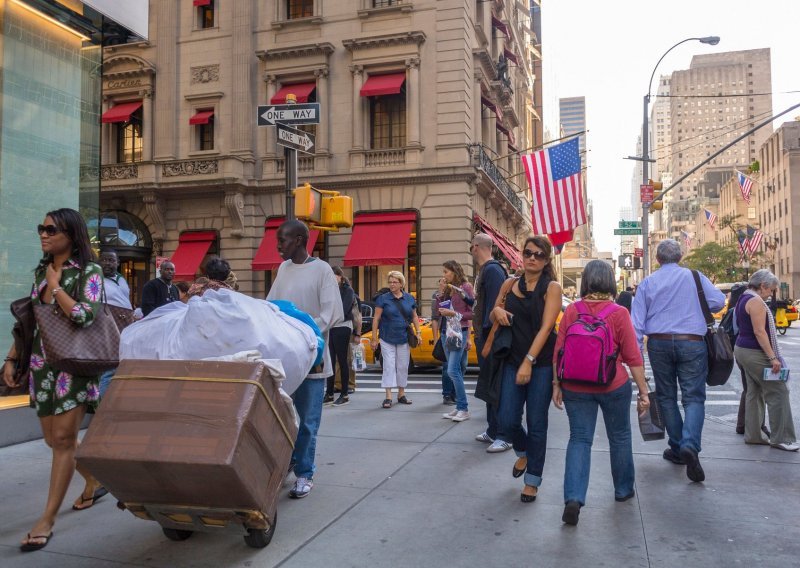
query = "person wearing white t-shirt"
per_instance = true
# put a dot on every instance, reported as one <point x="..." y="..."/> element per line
<point x="117" y="294"/>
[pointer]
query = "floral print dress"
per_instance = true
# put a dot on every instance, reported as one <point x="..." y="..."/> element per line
<point x="53" y="391"/>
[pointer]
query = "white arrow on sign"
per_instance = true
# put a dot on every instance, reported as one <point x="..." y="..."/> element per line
<point x="272" y="115"/>
<point x="294" y="138"/>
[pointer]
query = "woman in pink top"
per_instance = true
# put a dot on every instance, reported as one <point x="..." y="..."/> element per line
<point x="598" y="289"/>
<point x="459" y="297"/>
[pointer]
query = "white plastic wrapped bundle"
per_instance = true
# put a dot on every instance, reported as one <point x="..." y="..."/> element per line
<point x="220" y="323"/>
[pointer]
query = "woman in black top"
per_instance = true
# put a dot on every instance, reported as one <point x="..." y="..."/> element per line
<point x="339" y="342"/>
<point x="531" y="309"/>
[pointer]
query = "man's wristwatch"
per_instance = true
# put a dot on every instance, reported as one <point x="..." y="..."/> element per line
<point x="530" y="358"/>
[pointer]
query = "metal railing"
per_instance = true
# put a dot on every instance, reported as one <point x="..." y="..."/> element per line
<point x="482" y="161"/>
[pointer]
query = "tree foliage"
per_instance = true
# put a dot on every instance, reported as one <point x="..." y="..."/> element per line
<point x="716" y="261"/>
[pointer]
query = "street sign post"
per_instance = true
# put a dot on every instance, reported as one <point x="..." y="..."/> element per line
<point x="289" y="137"/>
<point x="628" y="231"/>
<point x="630" y="224"/>
<point x="305" y="113"/>
<point x="646" y="192"/>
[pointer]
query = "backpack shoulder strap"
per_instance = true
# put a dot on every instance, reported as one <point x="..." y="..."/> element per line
<point x="581" y="307"/>
<point x="608" y="310"/>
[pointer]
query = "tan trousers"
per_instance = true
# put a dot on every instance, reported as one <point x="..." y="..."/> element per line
<point x="774" y="394"/>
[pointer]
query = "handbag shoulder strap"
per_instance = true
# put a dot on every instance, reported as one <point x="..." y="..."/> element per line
<point x="504" y="290"/>
<point x="702" y="296"/>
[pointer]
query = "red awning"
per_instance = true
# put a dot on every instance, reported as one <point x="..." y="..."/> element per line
<point x="488" y="104"/>
<point x="497" y="23"/>
<point x="301" y="90"/>
<point x="267" y="257"/>
<point x="501" y="127"/>
<point x="383" y="85"/>
<point x="380" y="239"/>
<point x="202" y="117"/>
<point x="121" y="112"/>
<point x="192" y="248"/>
<point x="510" y="55"/>
<point x="503" y="243"/>
<point x="202" y="2"/>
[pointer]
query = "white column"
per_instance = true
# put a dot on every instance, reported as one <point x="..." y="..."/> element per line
<point x="477" y="120"/>
<point x="148" y="125"/>
<point x="414" y="100"/>
<point x="358" y="115"/>
<point x="325" y="110"/>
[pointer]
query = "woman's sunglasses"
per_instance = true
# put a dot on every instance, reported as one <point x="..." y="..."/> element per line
<point x="537" y="254"/>
<point x="50" y="230"/>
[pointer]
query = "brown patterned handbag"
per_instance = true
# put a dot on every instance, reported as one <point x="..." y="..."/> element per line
<point x="83" y="351"/>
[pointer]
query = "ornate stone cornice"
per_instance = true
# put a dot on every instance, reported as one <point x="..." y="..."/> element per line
<point x="234" y="202"/>
<point x="309" y="50"/>
<point x="189" y="168"/>
<point x="415" y="38"/>
<point x="119" y="171"/>
<point x="487" y="65"/>
<point x="144" y="67"/>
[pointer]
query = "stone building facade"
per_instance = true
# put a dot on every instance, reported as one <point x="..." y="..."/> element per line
<point x="423" y="104"/>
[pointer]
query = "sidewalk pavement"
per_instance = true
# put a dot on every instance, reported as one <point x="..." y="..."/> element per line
<point x="403" y="487"/>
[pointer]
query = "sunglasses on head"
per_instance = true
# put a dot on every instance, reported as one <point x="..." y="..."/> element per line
<point x="50" y="230"/>
<point x="537" y="254"/>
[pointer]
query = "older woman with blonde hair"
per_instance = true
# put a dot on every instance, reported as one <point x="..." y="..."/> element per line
<point x="395" y="311"/>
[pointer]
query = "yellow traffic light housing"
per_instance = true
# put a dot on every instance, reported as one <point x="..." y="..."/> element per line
<point x="326" y="210"/>
<point x="656" y="205"/>
<point x="337" y="211"/>
<point x="658" y="188"/>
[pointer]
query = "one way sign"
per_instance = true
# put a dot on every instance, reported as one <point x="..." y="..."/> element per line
<point x="306" y="113"/>
<point x="296" y="139"/>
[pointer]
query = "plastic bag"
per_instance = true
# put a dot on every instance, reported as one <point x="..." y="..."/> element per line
<point x="453" y="339"/>
<point x="359" y="364"/>
<point x="223" y="322"/>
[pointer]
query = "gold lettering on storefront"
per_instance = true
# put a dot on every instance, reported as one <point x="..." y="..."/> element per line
<point x="125" y="84"/>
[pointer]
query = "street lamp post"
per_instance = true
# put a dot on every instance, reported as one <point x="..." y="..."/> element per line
<point x="710" y="40"/>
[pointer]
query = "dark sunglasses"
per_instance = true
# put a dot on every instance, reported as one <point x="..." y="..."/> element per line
<point x="538" y="255"/>
<point x="50" y="230"/>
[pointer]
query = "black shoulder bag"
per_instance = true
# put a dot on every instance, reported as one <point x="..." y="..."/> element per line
<point x="718" y="344"/>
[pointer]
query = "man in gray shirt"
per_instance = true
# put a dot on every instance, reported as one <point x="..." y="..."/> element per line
<point x="309" y="284"/>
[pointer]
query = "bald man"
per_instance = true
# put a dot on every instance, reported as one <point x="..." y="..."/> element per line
<point x="160" y="291"/>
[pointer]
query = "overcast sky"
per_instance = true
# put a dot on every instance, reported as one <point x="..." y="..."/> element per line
<point x="606" y="52"/>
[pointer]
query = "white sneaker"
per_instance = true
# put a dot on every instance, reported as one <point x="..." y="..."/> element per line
<point x="484" y="437"/>
<point x="498" y="446"/>
<point x="450" y="415"/>
<point x="460" y="416"/>
<point x="787" y="447"/>
<point x="302" y="487"/>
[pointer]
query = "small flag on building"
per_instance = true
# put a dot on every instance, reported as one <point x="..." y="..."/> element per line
<point x="710" y="217"/>
<point x="745" y="184"/>
<point x="554" y="176"/>
<point x="687" y="240"/>
<point x="742" y="240"/>
<point x="754" y="238"/>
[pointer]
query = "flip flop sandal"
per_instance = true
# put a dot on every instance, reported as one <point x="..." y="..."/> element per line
<point x="387" y="403"/>
<point x="403" y="400"/>
<point x="32" y="546"/>
<point x="98" y="493"/>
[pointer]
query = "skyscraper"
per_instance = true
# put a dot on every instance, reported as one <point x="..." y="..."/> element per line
<point x="572" y="117"/>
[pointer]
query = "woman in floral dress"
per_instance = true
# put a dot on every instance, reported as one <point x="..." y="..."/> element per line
<point x="68" y="277"/>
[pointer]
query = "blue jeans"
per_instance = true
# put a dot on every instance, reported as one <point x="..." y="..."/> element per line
<point x="456" y="363"/>
<point x="535" y="398"/>
<point x="105" y="380"/>
<point x="308" y="402"/>
<point x="684" y="363"/>
<point x="582" y="413"/>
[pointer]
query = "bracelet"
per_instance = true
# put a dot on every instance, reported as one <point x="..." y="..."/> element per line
<point x="773" y="358"/>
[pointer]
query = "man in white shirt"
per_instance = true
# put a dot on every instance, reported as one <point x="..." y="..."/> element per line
<point x="117" y="294"/>
<point x="309" y="284"/>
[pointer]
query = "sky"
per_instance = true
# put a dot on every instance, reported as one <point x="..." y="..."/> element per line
<point x="606" y="52"/>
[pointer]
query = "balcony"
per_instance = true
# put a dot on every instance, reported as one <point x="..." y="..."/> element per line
<point x="483" y="162"/>
<point x="305" y="164"/>
<point x="383" y="158"/>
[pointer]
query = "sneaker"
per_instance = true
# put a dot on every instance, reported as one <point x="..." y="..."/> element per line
<point x="448" y="401"/>
<point x="670" y="455"/>
<point x="328" y="399"/>
<point x="498" y="446"/>
<point x="694" y="470"/>
<point x="342" y="400"/>
<point x="302" y="487"/>
<point x="460" y="416"/>
<point x="484" y="437"/>
<point x="450" y="415"/>
<point x="787" y="447"/>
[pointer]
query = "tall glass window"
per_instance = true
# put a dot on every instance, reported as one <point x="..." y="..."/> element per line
<point x="129" y="139"/>
<point x="388" y="121"/>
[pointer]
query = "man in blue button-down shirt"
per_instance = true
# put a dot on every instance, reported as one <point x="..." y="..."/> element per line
<point x="667" y="310"/>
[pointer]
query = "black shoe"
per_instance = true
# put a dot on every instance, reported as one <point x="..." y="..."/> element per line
<point x="630" y="495"/>
<point x="448" y="401"/>
<point x="328" y="399"/>
<point x="571" y="512"/>
<point x="342" y="400"/>
<point x="694" y="470"/>
<point x="669" y="455"/>
<point x="740" y="430"/>
<point x="351" y="391"/>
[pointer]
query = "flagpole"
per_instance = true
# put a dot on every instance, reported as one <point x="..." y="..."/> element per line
<point x="542" y="145"/>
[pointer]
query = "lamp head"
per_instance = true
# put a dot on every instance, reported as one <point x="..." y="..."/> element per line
<point x="710" y="40"/>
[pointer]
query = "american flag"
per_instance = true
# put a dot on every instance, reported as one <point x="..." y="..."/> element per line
<point x="687" y="240"/>
<point x="710" y="217"/>
<point x="754" y="238"/>
<point x="745" y="184"/>
<point x="554" y="176"/>
<point x="742" y="239"/>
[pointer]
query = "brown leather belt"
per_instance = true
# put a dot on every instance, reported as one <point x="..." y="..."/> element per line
<point x="676" y="336"/>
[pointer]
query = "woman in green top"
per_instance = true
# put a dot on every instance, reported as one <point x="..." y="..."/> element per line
<point x="68" y="277"/>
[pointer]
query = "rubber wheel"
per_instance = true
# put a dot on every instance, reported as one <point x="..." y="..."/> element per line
<point x="257" y="538"/>
<point x="176" y="534"/>
<point x="782" y="330"/>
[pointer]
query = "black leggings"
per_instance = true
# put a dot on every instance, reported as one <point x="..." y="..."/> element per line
<point x="338" y="344"/>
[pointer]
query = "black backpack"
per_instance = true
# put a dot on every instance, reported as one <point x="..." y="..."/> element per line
<point x="728" y="321"/>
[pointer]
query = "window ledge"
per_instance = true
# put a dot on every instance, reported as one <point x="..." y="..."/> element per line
<point x="278" y="24"/>
<point x="368" y="12"/>
<point x="203" y="153"/>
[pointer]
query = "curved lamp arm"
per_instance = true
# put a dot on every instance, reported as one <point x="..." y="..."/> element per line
<point x="710" y="40"/>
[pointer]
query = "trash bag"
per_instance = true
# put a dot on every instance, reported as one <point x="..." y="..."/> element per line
<point x="224" y="322"/>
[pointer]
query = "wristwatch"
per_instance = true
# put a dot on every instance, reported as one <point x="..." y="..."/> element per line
<point x="530" y="358"/>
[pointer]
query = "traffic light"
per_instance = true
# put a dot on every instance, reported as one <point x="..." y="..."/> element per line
<point x="323" y="209"/>
<point x="657" y="204"/>
<point x="337" y="211"/>
<point x="637" y="263"/>
<point x="307" y="203"/>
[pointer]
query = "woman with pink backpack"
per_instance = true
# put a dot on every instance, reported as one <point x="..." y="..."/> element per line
<point x="595" y="338"/>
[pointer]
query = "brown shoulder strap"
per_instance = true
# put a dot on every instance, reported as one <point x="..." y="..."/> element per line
<point x="501" y="302"/>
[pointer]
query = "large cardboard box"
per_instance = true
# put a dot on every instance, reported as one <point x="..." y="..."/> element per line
<point x="197" y="434"/>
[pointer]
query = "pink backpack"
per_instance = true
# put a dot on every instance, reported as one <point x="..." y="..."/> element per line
<point x="589" y="354"/>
